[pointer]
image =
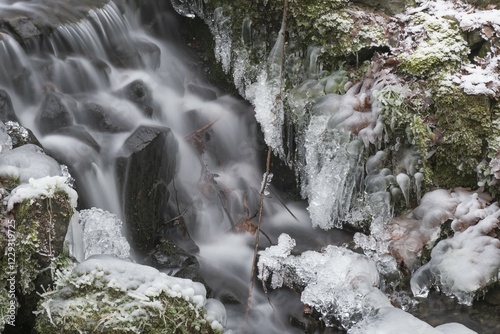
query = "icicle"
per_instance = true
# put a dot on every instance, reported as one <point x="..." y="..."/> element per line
<point x="404" y="183"/>
<point x="418" y="185"/>
<point x="246" y="32"/>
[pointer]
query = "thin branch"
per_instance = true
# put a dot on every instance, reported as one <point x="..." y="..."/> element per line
<point x="202" y="129"/>
<point x="268" y="167"/>
<point x="257" y="235"/>
<point x="284" y="205"/>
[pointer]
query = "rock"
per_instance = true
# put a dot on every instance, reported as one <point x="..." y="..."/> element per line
<point x="151" y="301"/>
<point x="38" y="214"/>
<point x="25" y="162"/>
<point x="79" y="132"/>
<point x="139" y="94"/>
<point x="24" y="27"/>
<point x="145" y="167"/>
<point x="150" y="53"/>
<point x="5" y="140"/>
<point x="55" y="112"/>
<point x="20" y="135"/>
<point x="100" y="118"/>
<point x="122" y="53"/>
<point x="7" y="112"/>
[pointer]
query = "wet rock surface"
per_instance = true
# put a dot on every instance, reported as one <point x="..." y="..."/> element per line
<point x="139" y="94"/>
<point x="7" y="112"/>
<point x="145" y="168"/>
<point x="55" y="112"/>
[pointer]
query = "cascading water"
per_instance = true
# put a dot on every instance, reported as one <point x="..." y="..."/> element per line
<point x="84" y="91"/>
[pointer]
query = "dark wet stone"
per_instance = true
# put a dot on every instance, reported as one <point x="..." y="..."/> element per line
<point x="150" y="53"/>
<point x="100" y="118"/>
<point x="493" y="296"/>
<point x="124" y="54"/>
<point x="79" y="132"/>
<point x="24" y="27"/>
<point x="145" y="167"/>
<point x="139" y="94"/>
<point x="7" y="112"/>
<point x="169" y="255"/>
<point x="55" y="112"/>
<point x="192" y="272"/>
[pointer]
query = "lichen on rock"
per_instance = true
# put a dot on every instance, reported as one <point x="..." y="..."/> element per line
<point x="114" y="296"/>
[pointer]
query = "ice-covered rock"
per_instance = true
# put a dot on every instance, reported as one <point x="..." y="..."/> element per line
<point x="27" y="161"/>
<point x="390" y="320"/>
<point x="338" y="283"/>
<point x="463" y="265"/>
<point x="405" y="237"/>
<point x="112" y="295"/>
<point x="102" y="234"/>
<point x="342" y="286"/>
<point x="45" y="187"/>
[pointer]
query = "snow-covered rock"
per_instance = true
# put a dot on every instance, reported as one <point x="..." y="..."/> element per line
<point x="112" y="295"/>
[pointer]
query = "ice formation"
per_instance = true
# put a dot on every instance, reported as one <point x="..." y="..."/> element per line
<point x="405" y="237"/>
<point x="342" y="286"/>
<point x="115" y="295"/>
<point x="338" y="283"/>
<point x="102" y="234"/>
<point x="390" y="320"/>
<point x="45" y="187"/>
<point x="27" y="161"/>
<point x="463" y="265"/>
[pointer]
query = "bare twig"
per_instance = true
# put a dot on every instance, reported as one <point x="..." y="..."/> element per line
<point x="284" y="205"/>
<point x="202" y="129"/>
<point x="257" y="235"/>
<point x="268" y="167"/>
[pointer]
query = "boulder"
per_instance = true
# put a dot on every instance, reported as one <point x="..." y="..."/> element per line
<point x="139" y="94"/>
<point x="55" y="112"/>
<point x="24" y="27"/>
<point x="97" y="117"/>
<point x="7" y="112"/>
<point x="145" y="167"/>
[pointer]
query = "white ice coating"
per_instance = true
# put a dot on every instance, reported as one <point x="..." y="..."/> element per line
<point x="341" y="285"/>
<point x="100" y="276"/>
<point x="102" y="234"/>
<point x="332" y="170"/>
<point x="404" y="237"/>
<point x="265" y="95"/>
<point x="46" y="187"/>
<point x="463" y="265"/>
<point x="337" y="282"/>
<point x="390" y="320"/>
<point x="27" y="161"/>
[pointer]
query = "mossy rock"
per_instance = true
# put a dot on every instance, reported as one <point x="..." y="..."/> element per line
<point x="466" y="122"/>
<point x="108" y="295"/>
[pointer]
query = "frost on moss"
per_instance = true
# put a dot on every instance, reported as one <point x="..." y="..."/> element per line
<point x="433" y="44"/>
<point x="108" y="295"/>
